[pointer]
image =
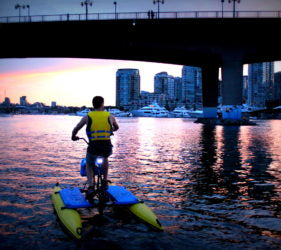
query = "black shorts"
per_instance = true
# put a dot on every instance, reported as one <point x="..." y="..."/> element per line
<point x="100" y="148"/>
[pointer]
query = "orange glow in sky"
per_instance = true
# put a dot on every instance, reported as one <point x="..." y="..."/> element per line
<point x="71" y="82"/>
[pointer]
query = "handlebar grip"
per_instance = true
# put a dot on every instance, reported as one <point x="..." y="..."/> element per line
<point x="81" y="138"/>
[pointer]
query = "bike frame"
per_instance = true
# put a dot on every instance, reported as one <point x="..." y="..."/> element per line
<point x="99" y="188"/>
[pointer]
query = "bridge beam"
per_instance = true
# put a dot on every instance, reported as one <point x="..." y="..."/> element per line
<point x="232" y="85"/>
<point x="210" y="79"/>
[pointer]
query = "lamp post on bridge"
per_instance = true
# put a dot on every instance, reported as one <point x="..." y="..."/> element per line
<point x="158" y="2"/>
<point x="28" y="12"/>
<point x="115" y="9"/>
<point x="234" y="4"/>
<point x="222" y="1"/>
<point x="86" y="3"/>
<point x="19" y="7"/>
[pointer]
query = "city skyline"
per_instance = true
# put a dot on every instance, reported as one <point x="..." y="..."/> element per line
<point x="47" y="79"/>
<point x="52" y="79"/>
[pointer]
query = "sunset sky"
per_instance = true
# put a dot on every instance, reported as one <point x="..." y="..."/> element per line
<point x="70" y="81"/>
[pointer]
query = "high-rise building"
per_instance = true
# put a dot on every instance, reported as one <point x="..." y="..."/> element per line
<point x="23" y="101"/>
<point x="268" y="72"/>
<point x="260" y="83"/>
<point x="127" y="86"/>
<point x="160" y="82"/>
<point x="245" y="88"/>
<point x="7" y="101"/>
<point x="192" y="85"/>
<point x="178" y="88"/>
<point x="268" y="78"/>
<point x="277" y="86"/>
<point x="171" y="93"/>
<point x="164" y="84"/>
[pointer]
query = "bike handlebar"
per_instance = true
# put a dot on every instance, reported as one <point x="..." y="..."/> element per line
<point x="81" y="138"/>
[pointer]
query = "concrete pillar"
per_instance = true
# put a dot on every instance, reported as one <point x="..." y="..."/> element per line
<point x="232" y="86"/>
<point x="210" y="79"/>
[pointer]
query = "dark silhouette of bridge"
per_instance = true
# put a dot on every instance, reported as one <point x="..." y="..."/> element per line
<point x="207" y="43"/>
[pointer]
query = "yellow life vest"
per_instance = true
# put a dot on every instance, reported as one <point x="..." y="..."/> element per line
<point x="98" y="127"/>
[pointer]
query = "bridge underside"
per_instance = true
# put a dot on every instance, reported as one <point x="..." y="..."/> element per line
<point x="206" y="43"/>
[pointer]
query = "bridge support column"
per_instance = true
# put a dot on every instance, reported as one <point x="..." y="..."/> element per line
<point x="232" y="85"/>
<point x="210" y="79"/>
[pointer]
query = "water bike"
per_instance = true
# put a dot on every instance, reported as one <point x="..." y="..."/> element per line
<point x="68" y="201"/>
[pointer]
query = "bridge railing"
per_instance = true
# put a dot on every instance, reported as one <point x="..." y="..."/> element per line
<point x="141" y="15"/>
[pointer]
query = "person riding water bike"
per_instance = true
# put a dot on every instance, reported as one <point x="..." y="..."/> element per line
<point x="99" y="127"/>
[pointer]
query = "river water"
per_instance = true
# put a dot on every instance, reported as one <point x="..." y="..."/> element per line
<point x="211" y="187"/>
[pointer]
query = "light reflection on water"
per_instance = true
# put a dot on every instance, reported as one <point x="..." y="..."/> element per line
<point x="210" y="186"/>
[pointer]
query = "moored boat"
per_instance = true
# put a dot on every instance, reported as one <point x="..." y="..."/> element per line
<point x="83" y="112"/>
<point x="180" y="112"/>
<point x="153" y="110"/>
<point x="118" y="113"/>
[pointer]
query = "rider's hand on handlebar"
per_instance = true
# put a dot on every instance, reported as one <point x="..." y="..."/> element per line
<point x="75" y="138"/>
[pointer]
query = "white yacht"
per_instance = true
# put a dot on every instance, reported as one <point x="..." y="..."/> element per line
<point x="118" y="113"/>
<point x="153" y="110"/>
<point x="83" y="112"/>
<point x="180" y="112"/>
<point x="245" y="108"/>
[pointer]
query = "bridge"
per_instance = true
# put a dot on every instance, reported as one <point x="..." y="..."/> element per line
<point x="140" y="15"/>
<point x="209" y="43"/>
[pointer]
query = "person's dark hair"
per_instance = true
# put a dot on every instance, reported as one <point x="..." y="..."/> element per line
<point x="97" y="102"/>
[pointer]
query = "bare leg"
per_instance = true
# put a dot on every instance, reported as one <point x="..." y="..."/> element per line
<point x="89" y="171"/>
